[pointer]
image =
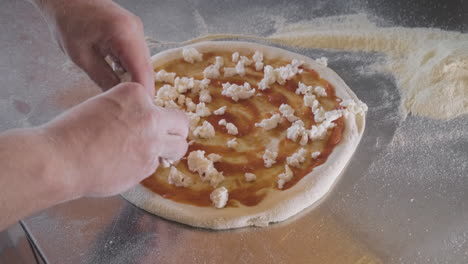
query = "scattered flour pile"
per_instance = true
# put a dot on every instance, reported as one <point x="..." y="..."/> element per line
<point x="430" y="65"/>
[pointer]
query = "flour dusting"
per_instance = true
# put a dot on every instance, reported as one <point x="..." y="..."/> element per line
<point x="430" y="65"/>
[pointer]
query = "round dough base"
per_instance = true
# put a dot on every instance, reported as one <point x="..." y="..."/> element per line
<point x="278" y="205"/>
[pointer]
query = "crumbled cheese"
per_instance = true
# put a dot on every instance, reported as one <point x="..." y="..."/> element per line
<point x="258" y="56"/>
<point x="183" y="84"/>
<point x="259" y="65"/>
<point x="240" y="68"/>
<point x="288" y="112"/>
<point x="297" y="158"/>
<point x="164" y="76"/>
<point x="309" y="100"/>
<point x="197" y="162"/>
<point x="206" y="130"/>
<point x="320" y="91"/>
<point x="284" y="177"/>
<point x="178" y="178"/>
<point x="322" y="61"/>
<point x="246" y="61"/>
<point x="200" y="85"/>
<point x="318" y="132"/>
<point x="353" y="107"/>
<point x="167" y="92"/>
<point x="202" y="110"/>
<point x="232" y="129"/>
<point x="171" y="104"/>
<point x="235" y="57"/>
<point x="165" y="163"/>
<point x="190" y="105"/>
<point x="193" y="119"/>
<point x="220" y="111"/>
<point x="268" y="78"/>
<point x="232" y="143"/>
<point x="229" y="71"/>
<point x="236" y="92"/>
<point x="181" y="100"/>
<point x="258" y="59"/>
<point x="222" y="122"/>
<point x="270" y="123"/>
<point x="212" y="71"/>
<point x="287" y="72"/>
<point x="269" y="157"/>
<point x="315" y="154"/>
<point x="304" y="89"/>
<point x="205" y="96"/>
<point x="191" y="55"/>
<point x="214" y="157"/>
<point x="219" y="197"/>
<point x="296" y="131"/>
<point x="219" y="61"/>
<point x="250" y="177"/>
<point x="319" y="112"/>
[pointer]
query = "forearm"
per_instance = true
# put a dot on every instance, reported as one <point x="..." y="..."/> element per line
<point x="31" y="178"/>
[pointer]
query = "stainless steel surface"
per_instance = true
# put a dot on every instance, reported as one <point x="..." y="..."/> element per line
<point x="402" y="199"/>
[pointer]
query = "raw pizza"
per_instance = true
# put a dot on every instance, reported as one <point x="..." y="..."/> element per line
<point x="270" y="132"/>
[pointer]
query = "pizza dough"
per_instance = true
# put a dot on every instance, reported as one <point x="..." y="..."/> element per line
<point x="277" y="205"/>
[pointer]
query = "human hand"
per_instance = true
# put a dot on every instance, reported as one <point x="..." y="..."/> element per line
<point x="113" y="141"/>
<point x="89" y="30"/>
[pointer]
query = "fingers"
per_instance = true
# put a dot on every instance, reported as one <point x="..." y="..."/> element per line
<point x="175" y="122"/>
<point x="97" y="69"/>
<point x="133" y="55"/>
<point x="173" y="147"/>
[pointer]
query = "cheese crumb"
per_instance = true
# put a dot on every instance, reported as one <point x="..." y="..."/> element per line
<point x="193" y="119"/>
<point x="212" y="71"/>
<point x="235" y="57"/>
<point x="353" y="107"/>
<point x="288" y="112"/>
<point x="240" y="68"/>
<point x="219" y="197"/>
<point x="284" y="177"/>
<point x="315" y="154"/>
<point x="222" y="122"/>
<point x="297" y="158"/>
<point x="197" y="162"/>
<point x="214" y="157"/>
<point x="269" y="158"/>
<point x="258" y="59"/>
<point x="232" y="129"/>
<point x="202" y="110"/>
<point x="164" y="76"/>
<point x="206" y="130"/>
<point x="191" y="55"/>
<point x="296" y="131"/>
<point x="200" y="85"/>
<point x="250" y="177"/>
<point x="322" y="61"/>
<point x="304" y="89"/>
<point x="220" y="111"/>
<point x="232" y="143"/>
<point x="183" y="84"/>
<point x="320" y="91"/>
<point x="288" y="71"/>
<point x="236" y="92"/>
<point x="178" y="178"/>
<point x="268" y="78"/>
<point x="167" y="93"/>
<point x="205" y="96"/>
<point x="270" y="123"/>
<point x="190" y="105"/>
